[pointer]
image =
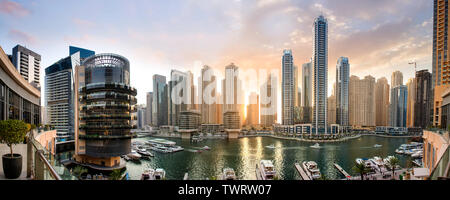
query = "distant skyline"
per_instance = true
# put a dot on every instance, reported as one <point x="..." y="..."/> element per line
<point x="379" y="37"/>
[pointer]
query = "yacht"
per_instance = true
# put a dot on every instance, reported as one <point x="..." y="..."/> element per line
<point x="386" y="160"/>
<point x="359" y="160"/>
<point x="134" y="155"/>
<point x="378" y="161"/>
<point x="316" y="146"/>
<point x="377" y="145"/>
<point x="272" y="146"/>
<point x="206" y="148"/>
<point x="148" y="174"/>
<point x="266" y="170"/>
<point x="145" y="153"/>
<point x="311" y="169"/>
<point x="228" y="174"/>
<point x="417" y="154"/>
<point x="160" y="174"/>
<point x="176" y="149"/>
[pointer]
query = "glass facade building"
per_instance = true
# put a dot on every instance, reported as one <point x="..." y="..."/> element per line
<point x="288" y="94"/>
<point x="399" y="98"/>
<point x="342" y="84"/>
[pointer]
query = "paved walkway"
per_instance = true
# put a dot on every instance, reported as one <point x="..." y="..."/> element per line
<point x="20" y="149"/>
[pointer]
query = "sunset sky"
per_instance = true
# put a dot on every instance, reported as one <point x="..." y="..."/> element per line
<point x="378" y="36"/>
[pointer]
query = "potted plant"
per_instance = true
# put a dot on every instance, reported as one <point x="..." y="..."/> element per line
<point x="12" y="132"/>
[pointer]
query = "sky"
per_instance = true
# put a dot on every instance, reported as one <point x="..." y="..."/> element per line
<point x="379" y="37"/>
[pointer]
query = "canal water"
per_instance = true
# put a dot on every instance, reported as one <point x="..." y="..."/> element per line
<point x="243" y="154"/>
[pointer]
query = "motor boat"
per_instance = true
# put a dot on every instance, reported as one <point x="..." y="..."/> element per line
<point x="377" y="145"/>
<point x="266" y="170"/>
<point x="148" y="174"/>
<point x="311" y="169"/>
<point x="316" y="146"/>
<point x="134" y="155"/>
<point x="145" y="153"/>
<point x="160" y="174"/>
<point x="417" y="154"/>
<point x="228" y="174"/>
<point x="206" y="148"/>
<point x="272" y="146"/>
<point x="359" y="160"/>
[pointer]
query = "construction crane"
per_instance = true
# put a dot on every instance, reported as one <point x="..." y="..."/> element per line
<point x="415" y="65"/>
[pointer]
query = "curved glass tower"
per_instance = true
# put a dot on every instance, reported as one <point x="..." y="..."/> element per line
<point x="106" y="110"/>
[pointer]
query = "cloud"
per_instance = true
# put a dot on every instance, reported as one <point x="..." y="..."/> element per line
<point x="21" y="36"/>
<point x="83" y="23"/>
<point x="13" y="8"/>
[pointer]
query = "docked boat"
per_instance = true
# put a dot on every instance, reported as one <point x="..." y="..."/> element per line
<point x="126" y="158"/>
<point x="378" y="161"/>
<point x="316" y="146"/>
<point x="145" y="153"/>
<point x="160" y="174"/>
<point x="386" y="160"/>
<point x="176" y="149"/>
<point x="228" y="174"/>
<point x="206" y="148"/>
<point x="134" y="155"/>
<point x="272" y="146"/>
<point x="417" y="154"/>
<point x="311" y="169"/>
<point x="266" y="170"/>
<point x="148" y="174"/>
<point x="377" y="145"/>
<point x="359" y="160"/>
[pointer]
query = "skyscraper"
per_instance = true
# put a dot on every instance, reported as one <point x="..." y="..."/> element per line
<point x="306" y="98"/>
<point x="268" y="101"/>
<point x="422" y="107"/>
<point x="411" y="101"/>
<point x="105" y="111"/>
<point x="253" y="109"/>
<point x="398" y="108"/>
<point x="297" y="100"/>
<point x="382" y="92"/>
<point x="148" y="109"/>
<point x="320" y="75"/>
<point x="232" y="92"/>
<point x="440" y="80"/>
<point x="342" y="84"/>
<point x="140" y="116"/>
<point x="288" y="94"/>
<point x="332" y="109"/>
<point x="208" y="88"/>
<point x="396" y="79"/>
<point x="177" y="96"/>
<point x="362" y="101"/>
<point x="28" y="64"/>
<point x="159" y="106"/>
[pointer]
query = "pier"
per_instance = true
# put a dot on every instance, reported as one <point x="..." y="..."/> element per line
<point x="258" y="173"/>
<point x="338" y="167"/>
<point x="302" y="172"/>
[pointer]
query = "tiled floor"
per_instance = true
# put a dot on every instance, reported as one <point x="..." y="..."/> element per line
<point x="20" y="149"/>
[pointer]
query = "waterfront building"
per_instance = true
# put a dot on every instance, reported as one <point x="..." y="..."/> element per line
<point x="382" y="92"/>
<point x="212" y="128"/>
<point x="436" y="153"/>
<point x="148" y="109"/>
<point x="399" y="97"/>
<point x="396" y="79"/>
<point x="208" y="106"/>
<point x="140" y="116"/>
<point x="232" y="93"/>
<point x="28" y="64"/>
<point x="342" y="86"/>
<point x="232" y="124"/>
<point x="306" y="97"/>
<point x="362" y="101"/>
<point x="19" y="99"/>
<point x="219" y="109"/>
<point x="253" y="110"/>
<point x="288" y="94"/>
<point x="440" y="72"/>
<point x="268" y="101"/>
<point x="190" y="121"/>
<point x="177" y="96"/>
<point x="332" y="115"/>
<point x="160" y="101"/>
<point x="296" y="90"/>
<point x="422" y="107"/>
<point x="105" y="111"/>
<point x="411" y="101"/>
<point x="320" y="75"/>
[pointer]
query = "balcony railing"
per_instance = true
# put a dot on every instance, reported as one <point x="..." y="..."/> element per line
<point x="441" y="171"/>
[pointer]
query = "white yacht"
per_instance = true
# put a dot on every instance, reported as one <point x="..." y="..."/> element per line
<point x="206" y="148"/>
<point x="378" y="161"/>
<point x="359" y="160"/>
<point x="266" y="170"/>
<point x="134" y="155"/>
<point x="148" y="174"/>
<point x="311" y="169"/>
<point x="144" y="152"/>
<point x="377" y="145"/>
<point x="316" y="146"/>
<point x="417" y="154"/>
<point x="272" y="146"/>
<point x="160" y="174"/>
<point x="228" y="174"/>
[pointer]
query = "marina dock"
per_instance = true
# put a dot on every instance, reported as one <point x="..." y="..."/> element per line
<point x="302" y="172"/>
<point x="338" y="167"/>
<point x="258" y="173"/>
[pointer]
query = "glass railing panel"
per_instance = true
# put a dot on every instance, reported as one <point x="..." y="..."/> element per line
<point x="441" y="167"/>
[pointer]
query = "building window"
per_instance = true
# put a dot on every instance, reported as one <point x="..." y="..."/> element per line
<point x="14" y="106"/>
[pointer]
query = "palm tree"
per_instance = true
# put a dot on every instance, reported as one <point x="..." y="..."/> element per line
<point x="392" y="163"/>
<point x="361" y="169"/>
<point x="116" y="174"/>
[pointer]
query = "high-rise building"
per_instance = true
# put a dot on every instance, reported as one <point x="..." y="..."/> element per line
<point x="320" y="75"/>
<point x="148" y="109"/>
<point x="342" y="84"/>
<point x="160" y="101"/>
<point x="105" y="111"/>
<point x="440" y="72"/>
<point x="422" y="108"/>
<point x="59" y="92"/>
<point x="268" y="101"/>
<point x="288" y="94"/>
<point x="396" y="79"/>
<point x="208" y="89"/>
<point x="332" y="115"/>
<point x="297" y="100"/>
<point x="253" y="109"/>
<point x="140" y="116"/>
<point x="177" y="96"/>
<point x="382" y="92"/>
<point x="307" y="95"/>
<point x="18" y="98"/>
<point x="362" y="101"/>
<point x="398" y="108"/>
<point x="411" y="101"/>
<point x="28" y="64"/>
<point x="233" y="98"/>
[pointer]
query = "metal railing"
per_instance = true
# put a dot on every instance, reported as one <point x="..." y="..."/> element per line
<point x="441" y="171"/>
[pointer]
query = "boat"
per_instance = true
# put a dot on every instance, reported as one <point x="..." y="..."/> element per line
<point x="359" y="160"/>
<point x="148" y="174"/>
<point x="272" y="146"/>
<point x="266" y="170"/>
<point x="206" y="148"/>
<point x="311" y="169"/>
<point x="160" y="142"/>
<point x="176" y="149"/>
<point x="377" y="145"/>
<point x="160" y="174"/>
<point x="418" y="162"/>
<point x="126" y="158"/>
<point x="417" y="154"/>
<point x="145" y="153"/>
<point x="228" y="174"/>
<point x="378" y="161"/>
<point x="134" y="155"/>
<point x="386" y="160"/>
<point x="315" y="146"/>
<point x="399" y="151"/>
